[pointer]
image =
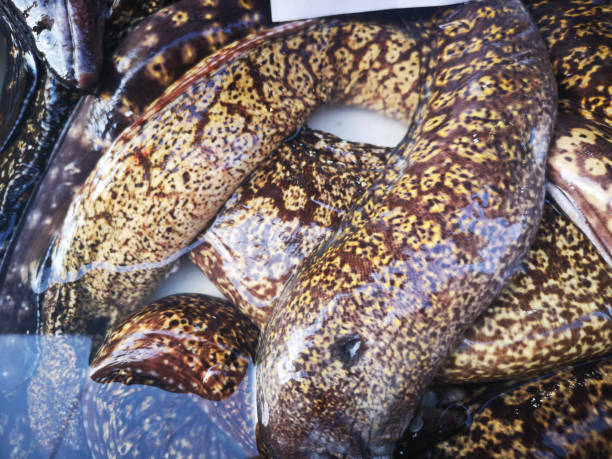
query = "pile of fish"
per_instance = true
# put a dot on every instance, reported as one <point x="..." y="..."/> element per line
<point x="428" y="299"/>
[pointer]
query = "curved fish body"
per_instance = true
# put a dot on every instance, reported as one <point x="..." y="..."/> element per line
<point x="155" y="54"/>
<point x="289" y="205"/>
<point x="579" y="41"/>
<point x="166" y="175"/>
<point x="363" y="327"/>
<point x="554" y="311"/>
<point x="192" y="344"/>
<point x="564" y="414"/>
<point x="68" y="34"/>
<point x="22" y="162"/>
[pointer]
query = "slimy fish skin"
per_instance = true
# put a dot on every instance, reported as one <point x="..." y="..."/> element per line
<point x="579" y="171"/>
<point x="364" y="326"/>
<point x="151" y="57"/>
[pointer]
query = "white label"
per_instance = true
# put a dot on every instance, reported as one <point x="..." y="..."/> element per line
<point x="290" y="10"/>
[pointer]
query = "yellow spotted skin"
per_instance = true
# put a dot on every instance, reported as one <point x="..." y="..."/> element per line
<point x="363" y="327"/>
<point x="192" y="344"/>
<point x="565" y="414"/>
<point x="291" y="203"/>
<point x="148" y="60"/>
<point x="579" y="40"/>
<point x="130" y="83"/>
<point x="554" y="311"/>
<point x="177" y="340"/>
<point x="167" y="175"/>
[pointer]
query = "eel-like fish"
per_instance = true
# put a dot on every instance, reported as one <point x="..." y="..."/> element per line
<point x="203" y="346"/>
<point x="148" y="197"/>
<point x="156" y="53"/>
<point x="205" y="339"/>
<point x="70" y="34"/>
<point x="18" y="80"/>
<point x="555" y="310"/>
<point x="281" y="213"/>
<point x="579" y="40"/>
<point x="363" y="327"/>
<point x="564" y="414"/>
<point x="152" y="55"/>
<point x="34" y="122"/>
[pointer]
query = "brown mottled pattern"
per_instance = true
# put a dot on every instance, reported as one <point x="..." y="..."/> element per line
<point x="293" y="201"/>
<point x="182" y="343"/>
<point x="579" y="40"/>
<point x="361" y="330"/>
<point x="168" y="174"/>
<point x="152" y="56"/>
<point x="190" y="343"/>
<point x="567" y="414"/>
<point x="555" y="310"/>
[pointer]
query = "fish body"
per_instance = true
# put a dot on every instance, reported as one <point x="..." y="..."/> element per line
<point x="579" y="41"/>
<point x="363" y="327"/>
<point x="554" y="310"/>
<point x="567" y="413"/>
<point x="177" y="166"/>
<point x="152" y="56"/>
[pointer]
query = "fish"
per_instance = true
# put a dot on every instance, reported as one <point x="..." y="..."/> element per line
<point x="287" y="207"/>
<point x="68" y="35"/>
<point x="567" y="413"/>
<point x="365" y="324"/>
<point x="78" y="275"/>
<point x="579" y="172"/>
<point x="197" y="345"/>
<point x="554" y="310"/>
<point x="37" y="108"/>
<point x="146" y="59"/>
<point x="137" y="72"/>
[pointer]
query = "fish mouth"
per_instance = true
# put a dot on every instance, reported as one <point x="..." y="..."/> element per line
<point x="69" y="35"/>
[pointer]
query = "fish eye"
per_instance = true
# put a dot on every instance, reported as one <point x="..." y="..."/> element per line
<point x="348" y="350"/>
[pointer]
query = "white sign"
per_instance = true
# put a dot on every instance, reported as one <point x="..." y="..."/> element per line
<point x="290" y="10"/>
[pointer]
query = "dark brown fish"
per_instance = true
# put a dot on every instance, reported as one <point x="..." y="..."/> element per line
<point x="17" y="80"/>
<point x="68" y="34"/>
<point x="193" y="344"/>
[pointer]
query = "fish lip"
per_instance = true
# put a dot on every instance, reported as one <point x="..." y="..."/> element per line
<point x="69" y="36"/>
